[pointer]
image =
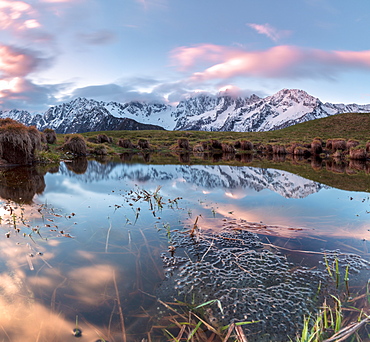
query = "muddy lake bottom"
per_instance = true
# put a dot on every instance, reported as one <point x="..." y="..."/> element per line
<point x="95" y="250"/>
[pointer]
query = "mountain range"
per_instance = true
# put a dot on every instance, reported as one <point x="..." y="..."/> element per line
<point x="205" y="112"/>
<point x="203" y="177"/>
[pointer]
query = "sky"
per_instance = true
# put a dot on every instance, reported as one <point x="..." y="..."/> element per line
<point x="52" y="51"/>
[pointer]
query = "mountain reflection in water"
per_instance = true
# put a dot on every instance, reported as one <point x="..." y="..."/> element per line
<point x="88" y="245"/>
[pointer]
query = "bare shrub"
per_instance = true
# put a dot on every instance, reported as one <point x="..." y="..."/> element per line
<point x="76" y="144"/>
<point x="51" y="136"/>
<point x="357" y="154"/>
<point x="227" y="148"/>
<point x="183" y="143"/>
<point x="125" y="143"/>
<point x="143" y="144"/>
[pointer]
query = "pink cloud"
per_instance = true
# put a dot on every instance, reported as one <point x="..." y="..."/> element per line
<point x="187" y="57"/>
<point x="16" y="62"/>
<point x="17" y="15"/>
<point x="15" y="66"/>
<point x="280" y="61"/>
<point x="269" y="31"/>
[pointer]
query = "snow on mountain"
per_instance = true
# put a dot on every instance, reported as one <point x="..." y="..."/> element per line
<point x="203" y="112"/>
<point x="156" y="113"/>
<point x="207" y="177"/>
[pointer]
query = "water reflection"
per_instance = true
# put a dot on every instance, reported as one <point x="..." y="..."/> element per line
<point x="94" y="249"/>
<point x="21" y="184"/>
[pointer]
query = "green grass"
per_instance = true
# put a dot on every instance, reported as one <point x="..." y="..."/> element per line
<point x="346" y="126"/>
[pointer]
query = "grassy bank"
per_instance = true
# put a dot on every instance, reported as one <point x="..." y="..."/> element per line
<point x="345" y="126"/>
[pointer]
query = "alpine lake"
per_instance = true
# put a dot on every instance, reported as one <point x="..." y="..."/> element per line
<point x="140" y="249"/>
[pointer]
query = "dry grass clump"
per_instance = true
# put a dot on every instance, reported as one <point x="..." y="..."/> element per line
<point x="198" y="148"/>
<point x="246" y="145"/>
<point x="35" y="137"/>
<point x="51" y="136"/>
<point x="227" y="148"/>
<point x="99" y="150"/>
<point x="368" y="147"/>
<point x="290" y="149"/>
<point x="18" y="142"/>
<point x="279" y="149"/>
<point x="316" y="146"/>
<point x="339" y="144"/>
<point x="352" y="143"/>
<point x="268" y="148"/>
<point x="126" y="143"/>
<point x="358" y="153"/>
<point x="7" y="121"/>
<point x="103" y="138"/>
<point x="329" y="144"/>
<point x="183" y="143"/>
<point x="143" y="144"/>
<point x="237" y="144"/>
<point x="216" y="144"/>
<point x="301" y="151"/>
<point x="76" y="144"/>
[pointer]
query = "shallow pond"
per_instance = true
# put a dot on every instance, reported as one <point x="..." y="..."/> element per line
<point x="86" y="246"/>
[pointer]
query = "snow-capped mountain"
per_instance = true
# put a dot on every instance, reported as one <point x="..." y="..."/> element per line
<point x="207" y="177"/>
<point x="77" y="116"/>
<point x="203" y="112"/>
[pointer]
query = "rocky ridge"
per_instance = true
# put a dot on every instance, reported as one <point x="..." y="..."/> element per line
<point x="205" y="112"/>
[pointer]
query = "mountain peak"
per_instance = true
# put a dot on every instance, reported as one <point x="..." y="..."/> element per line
<point x="203" y="111"/>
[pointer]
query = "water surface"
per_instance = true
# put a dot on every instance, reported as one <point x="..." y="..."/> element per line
<point x="87" y="244"/>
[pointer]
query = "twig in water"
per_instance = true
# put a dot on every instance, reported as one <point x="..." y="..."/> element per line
<point x="108" y="233"/>
<point x="120" y="309"/>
